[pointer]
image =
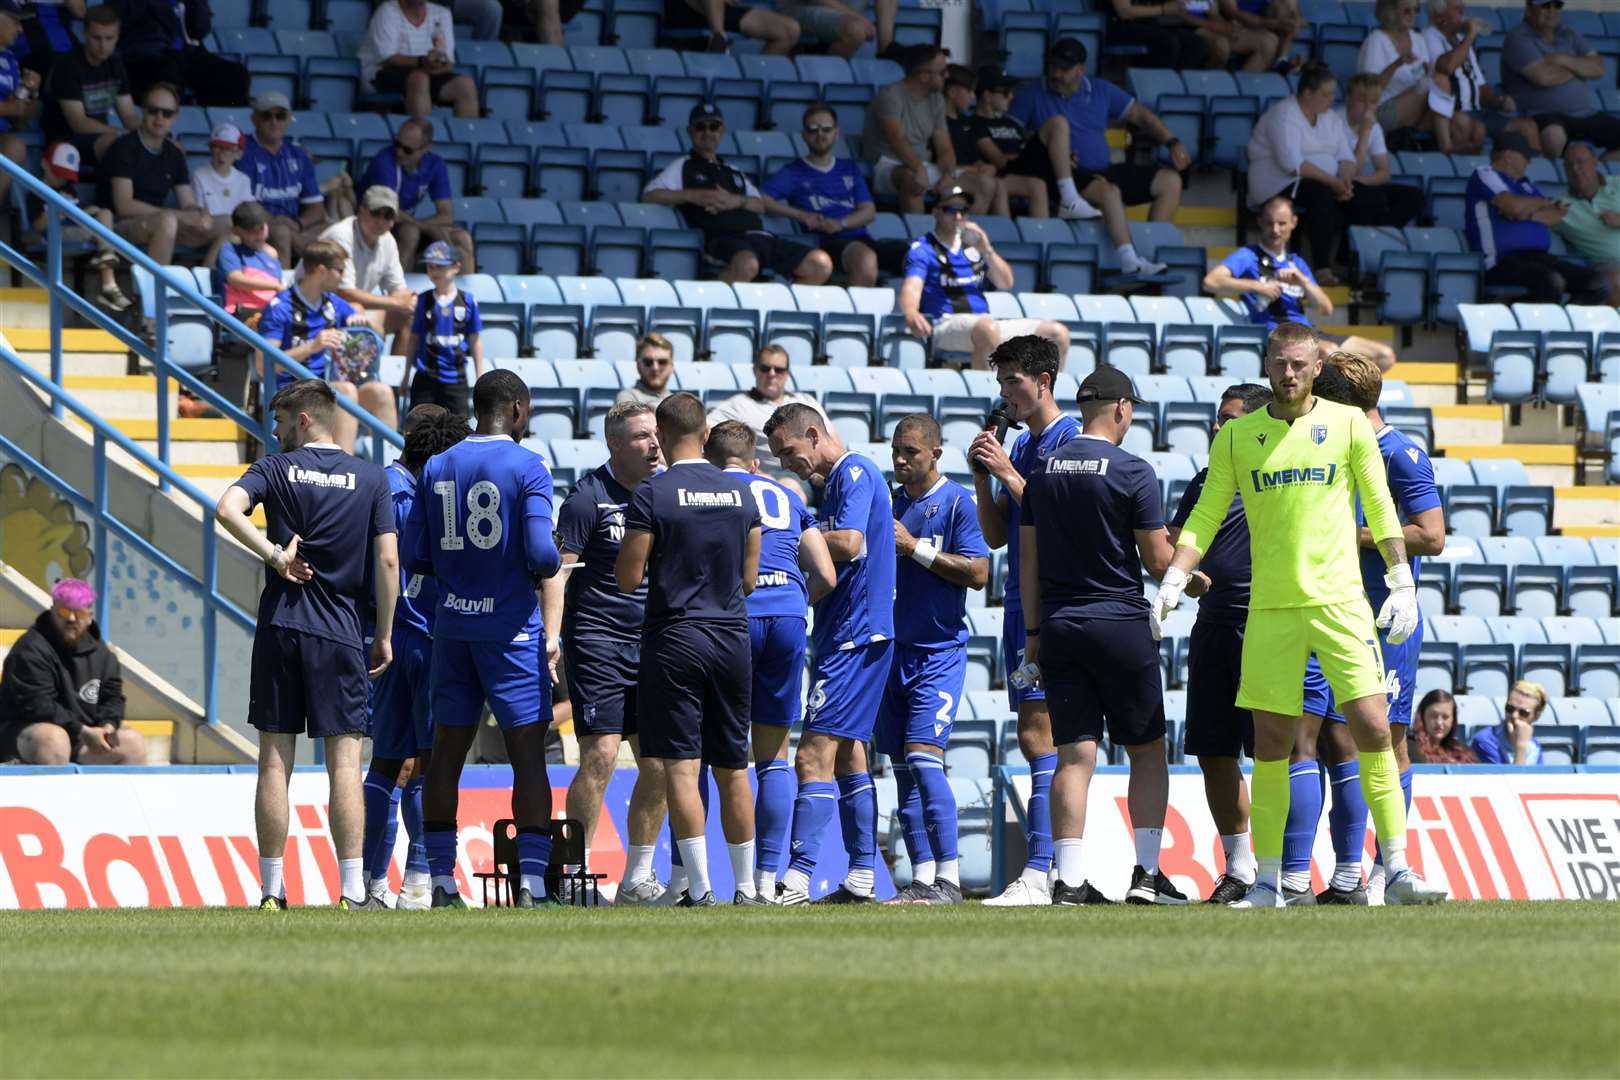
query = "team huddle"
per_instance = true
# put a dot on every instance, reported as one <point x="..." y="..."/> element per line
<point x="682" y="589"/>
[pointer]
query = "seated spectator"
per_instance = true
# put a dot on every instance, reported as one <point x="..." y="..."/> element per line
<point x="88" y="88"/>
<point x="141" y="171"/>
<point x="960" y="97"/>
<point x="1508" y="221"/>
<point x="47" y="34"/>
<point x="17" y="102"/>
<point x="1412" y="97"/>
<point x="1000" y="140"/>
<point x="410" y="49"/>
<point x="1592" y="214"/>
<point x="1435" y="732"/>
<point x="943" y="295"/>
<point x="1479" y="110"/>
<point x="283" y="176"/>
<point x="1170" y="41"/>
<point x="1223" y="38"/>
<point x="1511" y="743"/>
<point x="484" y="16"/>
<point x="839" y="27"/>
<point x="722" y="18"/>
<point x="1281" y="19"/>
<point x="220" y="186"/>
<point x="62" y="689"/>
<point x="60" y="172"/>
<point x="412" y="169"/>
<point x="160" y="45"/>
<point x="1380" y="202"/>
<point x="828" y="197"/>
<point x="905" y="119"/>
<point x="655" y="363"/>
<point x="445" y="332"/>
<point x="373" y="280"/>
<point x="1552" y="72"/>
<point x="1277" y="286"/>
<point x="1071" y="114"/>
<point x="726" y="206"/>
<point x="247" y="273"/>
<point x="754" y="407"/>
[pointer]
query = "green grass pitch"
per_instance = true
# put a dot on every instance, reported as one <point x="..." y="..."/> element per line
<point x="1466" y="990"/>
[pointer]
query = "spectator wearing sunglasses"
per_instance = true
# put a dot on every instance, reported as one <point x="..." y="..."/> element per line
<point x="410" y="49"/>
<point x="754" y="407"/>
<point x="158" y="46"/>
<point x="411" y="168"/>
<point x="1511" y="743"/>
<point x="655" y="363"/>
<point x="1552" y="72"/>
<point x="140" y="174"/>
<point x="373" y="280"/>
<point x="283" y="176"/>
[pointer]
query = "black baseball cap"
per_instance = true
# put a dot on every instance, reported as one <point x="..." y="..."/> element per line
<point x="1066" y="52"/>
<point x="1108" y="384"/>
<point x="955" y="194"/>
<point x="705" y="110"/>
<point x="992" y="77"/>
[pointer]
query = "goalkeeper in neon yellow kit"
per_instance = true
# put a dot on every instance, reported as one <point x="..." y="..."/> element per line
<point x="1298" y="466"/>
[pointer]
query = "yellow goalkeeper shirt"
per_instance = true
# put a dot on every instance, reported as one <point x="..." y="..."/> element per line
<point x="1298" y="482"/>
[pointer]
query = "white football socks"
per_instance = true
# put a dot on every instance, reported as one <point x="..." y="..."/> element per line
<point x="742" y="860"/>
<point x="695" y="858"/>
<point x="860" y="882"/>
<point x="1239" y="850"/>
<point x="637" y="864"/>
<point x="947" y="871"/>
<point x="1347" y="876"/>
<point x="923" y="873"/>
<point x="352" y="878"/>
<point x="1067" y="860"/>
<point x="796" y="881"/>
<point x="1148" y="842"/>
<point x="270" y="875"/>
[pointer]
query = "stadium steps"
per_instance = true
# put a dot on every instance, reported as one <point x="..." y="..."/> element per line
<point x="1587" y="506"/>
<point x="85" y="352"/>
<point x="191" y="441"/>
<point x="1466" y="424"/>
<point x="1546" y="463"/>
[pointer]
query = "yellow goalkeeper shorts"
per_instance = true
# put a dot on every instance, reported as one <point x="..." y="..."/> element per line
<point x="1278" y="641"/>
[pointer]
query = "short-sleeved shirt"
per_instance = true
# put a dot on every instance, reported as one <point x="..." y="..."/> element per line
<point x="1005" y="131"/>
<point x="431" y="177"/>
<point x="1377" y="146"/>
<point x="291" y="320"/>
<point x="444" y="333"/>
<point x="965" y="130"/>
<point x="860" y="609"/>
<point x="698" y="173"/>
<point x="699" y="517"/>
<point x="1411" y="485"/>
<point x="1089" y="110"/>
<point x="779" y="588"/>
<point x="1489" y="230"/>
<point x="833" y="192"/>
<point x="930" y="612"/>
<point x="1492" y="748"/>
<point x="591" y="525"/>
<point x="919" y="118"/>
<point x="371" y="268"/>
<point x="153" y="175"/>
<point x="1468" y="78"/>
<point x="217" y="194"/>
<point x="1522" y="47"/>
<point x="1378" y="52"/>
<point x="952" y="276"/>
<point x="1583" y="224"/>
<point x="1255" y="263"/>
<point x="418" y="593"/>
<point x="1027" y="454"/>
<point x="73" y="78"/>
<point x="1086" y="503"/>
<point x="283" y="182"/>
<point x="390" y="33"/>
<point x="335" y="504"/>
<point x="235" y="257"/>
<point x="1226" y="562"/>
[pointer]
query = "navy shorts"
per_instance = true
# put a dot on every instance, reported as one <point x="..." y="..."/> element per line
<point x="692" y="697"/>
<point x="602" y="684"/>
<point x="401" y="716"/>
<point x="921" y="698"/>
<point x="777" y="645"/>
<point x="1101" y="672"/>
<point x="846" y="691"/>
<point x="301" y="684"/>
<point x="1012" y="658"/>
<point x="512" y="676"/>
<point x="1216" y="727"/>
<point x="1400" y="678"/>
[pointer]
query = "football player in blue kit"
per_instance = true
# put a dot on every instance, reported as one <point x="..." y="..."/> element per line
<point x="693" y="534"/>
<point x="482" y="525"/>
<point x="401" y="719"/>
<point x="330" y="526"/>
<point x="853" y="643"/>
<point x="940" y="556"/>
<point x="794" y="571"/>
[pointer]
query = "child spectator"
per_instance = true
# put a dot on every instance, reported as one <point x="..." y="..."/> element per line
<point x="444" y="332"/>
<point x="1001" y="139"/>
<point x="220" y="186"/>
<point x="247" y="271"/>
<point x="61" y="175"/>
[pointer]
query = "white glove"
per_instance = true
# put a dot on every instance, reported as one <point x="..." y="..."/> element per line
<point x="1170" y="590"/>
<point x="1399" y="615"/>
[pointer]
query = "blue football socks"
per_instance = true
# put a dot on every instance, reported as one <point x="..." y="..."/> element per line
<point x="938" y="805"/>
<point x="812" y="810"/>
<point x="1347" y="816"/>
<point x="377" y="842"/>
<point x="913" y="827"/>
<point x="773" y="812"/>
<point x="534" y="856"/>
<point x="1305" y="792"/>
<point x="857" y="813"/>
<point x="410" y="811"/>
<point x="1039" y="812"/>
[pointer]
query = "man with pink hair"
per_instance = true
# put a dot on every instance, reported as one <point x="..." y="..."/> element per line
<point x="62" y="690"/>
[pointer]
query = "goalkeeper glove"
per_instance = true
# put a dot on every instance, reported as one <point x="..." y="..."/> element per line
<point x="1170" y="590"/>
<point x="1399" y="615"/>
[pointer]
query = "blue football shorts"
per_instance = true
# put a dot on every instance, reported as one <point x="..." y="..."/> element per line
<point x="513" y="677"/>
<point x="401" y="712"/>
<point x="921" y="698"/>
<point x="846" y="691"/>
<point x="777" y="645"/>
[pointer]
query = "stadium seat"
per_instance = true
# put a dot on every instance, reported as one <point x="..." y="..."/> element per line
<point x="1597" y="670"/>
<point x="1547" y="664"/>
<point x="971" y="750"/>
<point x="1475" y="710"/>
<point x="1488" y="669"/>
<point x="1470" y="509"/>
<point x="1599" y="746"/>
<point x="1560" y="744"/>
<point x="1479" y="589"/>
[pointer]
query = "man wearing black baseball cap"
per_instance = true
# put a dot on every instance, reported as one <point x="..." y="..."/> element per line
<point x="1091" y="522"/>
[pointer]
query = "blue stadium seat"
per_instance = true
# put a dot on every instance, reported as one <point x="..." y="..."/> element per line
<point x="853" y="414"/>
<point x="1438" y="664"/>
<point x="565" y="96"/>
<point x="1470" y="509"/>
<point x="1527" y="510"/>
<point x="1480" y="589"/>
<point x="1547" y="664"/>
<point x="1488" y="669"/>
<point x="556" y="332"/>
<point x="1537" y="591"/>
<point x="1597" y="670"/>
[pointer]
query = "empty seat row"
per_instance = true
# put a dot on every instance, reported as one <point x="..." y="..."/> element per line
<point x="1542" y="352"/>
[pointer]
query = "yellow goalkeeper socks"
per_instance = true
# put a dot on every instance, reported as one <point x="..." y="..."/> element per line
<point x="1268" y="808"/>
<point x="1381" y="787"/>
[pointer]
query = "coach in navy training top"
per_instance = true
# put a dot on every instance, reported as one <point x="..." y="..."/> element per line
<point x="700" y="531"/>
<point x="330" y="520"/>
<point x="1092" y="519"/>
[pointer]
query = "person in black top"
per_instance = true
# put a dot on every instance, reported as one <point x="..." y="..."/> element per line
<point x="699" y="528"/>
<point x="1091" y="521"/>
<point x="88" y="87"/>
<point x="1218" y="732"/>
<point x="717" y="199"/>
<point x="1001" y="139"/>
<point x="332" y="536"/>
<point x="159" y="47"/>
<point x="139" y="172"/>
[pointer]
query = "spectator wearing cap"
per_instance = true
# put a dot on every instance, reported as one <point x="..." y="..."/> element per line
<point x="943" y="295"/>
<point x="220" y="186"/>
<point x="828" y="197"/>
<point x="722" y="18"/>
<point x="1592" y="214"/>
<point x="1553" y="72"/>
<point x="1070" y="112"/>
<point x="159" y="45"/>
<point x="839" y="27"/>
<point x="1508" y="220"/>
<point x="16" y="101"/>
<point x="904" y="121"/>
<point x="61" y="174"/>
<point x="1000" y="140"/>
<point x="444" y="333"/>
<point x="283" y="176"/>
<point x="410" y="49"/>
<point x="963" y="128"/>
<point x="1479" y="110"/>
<point x="247" y="273"/>
<point x="411" y="168"/>
<point x="142" y="171"/>
<point x="88" y="88"/>
<point x="719" y="200"/>
<point x="373" y="280"/>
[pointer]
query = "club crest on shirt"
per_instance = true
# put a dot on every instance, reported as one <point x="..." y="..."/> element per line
<point x="1319" y="434"/>
<point x="930" y="510"/>
<point x="90" y="692"/>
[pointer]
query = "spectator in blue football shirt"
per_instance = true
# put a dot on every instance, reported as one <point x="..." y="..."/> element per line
<point x="444" y="333"/>
<point x="162" y="44"/>
<point x="1512" y="743"/>
<point x="247" y="275"/>
<point x="283" y="176"/>
<point x="413" y="170"/>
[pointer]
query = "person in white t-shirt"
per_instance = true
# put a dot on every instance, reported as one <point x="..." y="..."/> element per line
<point x="410" y="49"/>
<point x="373" y="279"/>
<point x="1481" y="111"/>
<point x="219" y="186"/>
<point x="1379" y="202"/>
<point x="1414" y="95"/>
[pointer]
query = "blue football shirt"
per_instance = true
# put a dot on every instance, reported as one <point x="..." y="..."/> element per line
<point x="290" y="320"/>
<point x="1489" y="231"/>
<point x="1411" y="485"/>
<point x="1254" y="262"/>
<point x="431" y="177"/>
<point x="860" y="609"/>
<point x="953" y="278"/>
<point x="283" y="182"/>
<point x="1226" y="561"/>
<point x="699" y="518"/>
<point x="10" y="81"/>
<point x="418" y="593"/>
<point x="929" y="611"/>
<point x="591" y="525"/>
<point x="443" y="332"/>
<point x="780" y="588"/>
<point x="1027" y="455"/>
<point x="1095" y="105"/>
<point x="833" y="192"/>
<point x="1492" y="747"/>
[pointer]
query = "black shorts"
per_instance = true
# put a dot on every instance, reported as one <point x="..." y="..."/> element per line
<point x="1216" y="727"/>
<point x="307" y="685"/>
<point x="391" y="80"/>
<point x="891" y="254"/>
<point x="1135" y="182"/>
<point x="679" y="15"/>
<point x="426" y="390"/>
<point x="1601" y="129"/>
<point x="1101" y="672"/>
<point x="781" y="256"/>
<point x="694" y="692"/>
<point x="602" y="686"/>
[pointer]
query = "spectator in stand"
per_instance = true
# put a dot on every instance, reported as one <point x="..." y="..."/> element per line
<point x="1413" y="97"/>
<point x="283" y="176"/>
<point x="220" y="186"/>
<point x="721" y="18"/>
<point x="1071" y="113"/>
<point x="1224" y="38"/>
<point x="1262" y="31"/>
<point x="726" y="206"/>
<point x="1000" y="140"/>
<point x="1379" y="202"/>
<point x="88" y="88"/>
<point x="484" y="16"/>
<point x="655" y="363"/>
<point x="1508" y="220"/>
<point x="160" y="45"/>
<point x="141" y="171"/>
<point x="17" y="101"/>
<point x="248" y="274"/>
<point x="829" y="197"/>
<point x="373" y="280"/>
<point x="411" y="168"/>
<point x="1553" y="73"/>
<point x="47" y="34"/>
<point x="1592" y="214"/>
<point x="1478" y="109"/>
<point x="963" y="126"/>
<point x="1162" y="29"/>
<point x="904" y="120"/>
<point x="1435" y="732"/>
<point x="1512" y="743"/>
<point x="62" y="689"/>
<point x="840" y="27"/>
<point x="770" y="392"/>
<point x="410" y="49"/>
<point x="60" y="172"/>
<point x="445" y="332"/>
<point x="943" y="295"/>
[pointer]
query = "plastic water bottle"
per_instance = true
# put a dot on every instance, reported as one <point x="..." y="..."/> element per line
<point x="1025" y="676"/>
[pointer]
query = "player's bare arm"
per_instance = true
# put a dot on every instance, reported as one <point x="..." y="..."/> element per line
<point x="631" y="566"/>
<point x="961" y="570"/>
<point x="385" y="590"/>
<point x="232" y="512"/>
<point x="844" y="545"/>
<point x="1424" y="533"/>
<point x="820" y="576"/>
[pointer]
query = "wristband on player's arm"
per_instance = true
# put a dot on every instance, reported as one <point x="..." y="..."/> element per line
<point x="925" y="553"/>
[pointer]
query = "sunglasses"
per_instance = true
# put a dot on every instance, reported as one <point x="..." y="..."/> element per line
<point x="653" y="361"/>
<point x="401" y="148"/>
<point x="382" y="212"/>
<point x="708" y="125"/>
<point x="280" y="115"/>
<point x="954" y="209"/>
<point x="158" y="110"/>
<point x="1515" y="710"/>
<point x="770" y="369"/>
<point x="74" y="614"/>
<point x="820" y="129"/>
